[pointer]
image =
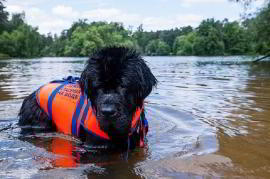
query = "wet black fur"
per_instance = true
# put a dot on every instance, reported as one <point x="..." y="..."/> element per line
<point x="113" y="76"/>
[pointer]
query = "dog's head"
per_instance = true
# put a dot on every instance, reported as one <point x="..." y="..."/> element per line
<point x="117" y="80"/>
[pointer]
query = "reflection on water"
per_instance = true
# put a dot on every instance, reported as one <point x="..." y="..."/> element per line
<point x="250" y="152"/>
<point x="4" y="75"/>
<point x="208" y="117"/>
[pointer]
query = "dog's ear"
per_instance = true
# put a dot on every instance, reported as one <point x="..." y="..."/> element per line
<point x="145" y="82"/>
<point x="86" y="75"/>
<point x="84" y="81"/>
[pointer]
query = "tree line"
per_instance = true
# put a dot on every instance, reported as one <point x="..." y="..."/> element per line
<point x="211" y="38"/>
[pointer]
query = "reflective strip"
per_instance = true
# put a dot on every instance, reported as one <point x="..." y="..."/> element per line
<point x="52" y="96"/>
<point x="94" y="135"/>
<point x="86" y="109"/>
<point x="78" y="122"/>
<point x="76" y="115"/>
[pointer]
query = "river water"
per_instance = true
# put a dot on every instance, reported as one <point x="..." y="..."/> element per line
<point x="208" y="117"/>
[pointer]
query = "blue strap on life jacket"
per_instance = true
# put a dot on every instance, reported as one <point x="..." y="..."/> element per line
<point x="65" y="81"/>
<point x="76" y="115"/>
<point x="144" y="122"/>
<point x="69" y="79"/>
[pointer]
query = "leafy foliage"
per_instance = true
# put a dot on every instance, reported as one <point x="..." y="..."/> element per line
<point x="157" y="47"/>
<point x="211" y="37"/>
<point x="3" y="16"/>
<point x="183" y="45"/>
<point x="86" y="39"/>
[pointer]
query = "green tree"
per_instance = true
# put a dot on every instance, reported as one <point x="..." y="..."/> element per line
<point x="183" y="45"/>
<point x="3" y="17"/>
<point x="7" y="45"/>
<point x="237" y="40"/>
<point x="210" y="38"/>
<point x="87" y="38"/>
<point x="258" y="27"/>
<point x="169" y="36"/>
<point x="157" y="47"/>
<point x="142" y="38"/>
<point x="16" y="21"/>
<point x="262" y="22"/>
<point x="80" y="23"/>
<point x="25" y="41"/>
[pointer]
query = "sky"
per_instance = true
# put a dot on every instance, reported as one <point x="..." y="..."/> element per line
<point x="56" y="15"/>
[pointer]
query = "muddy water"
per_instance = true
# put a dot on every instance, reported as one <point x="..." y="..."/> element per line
<point x="208" y="117"/>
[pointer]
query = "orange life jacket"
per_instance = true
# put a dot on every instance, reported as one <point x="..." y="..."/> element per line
<point x="69" y="109"/>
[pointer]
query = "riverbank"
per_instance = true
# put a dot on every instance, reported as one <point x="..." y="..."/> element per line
<point x="4" y="56"/>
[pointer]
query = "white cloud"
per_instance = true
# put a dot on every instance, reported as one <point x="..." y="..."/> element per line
<point x="26" y="3"/>
<point x="159" y="23"/>
<point x="259" y="3"/>
<point x="189" y="19"/>
<point x="101" y="14"/>
<point x="54" y="26"/>
<point x="61" y="17"/>
<point x="203" y="1"/>
<point x="14" y="9"/>
<point x="150" y="23"/>
<point x="46" y="22"/>
<point x="189" y="3"/>
<point x="36" y="14"/>
<point x="111" y="14"/>
<point x="65" y="11"/>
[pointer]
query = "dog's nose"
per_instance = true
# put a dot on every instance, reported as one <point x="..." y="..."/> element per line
<point x="108" y="110"/>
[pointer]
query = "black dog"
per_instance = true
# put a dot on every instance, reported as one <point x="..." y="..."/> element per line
<point x="116" y="80"/>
